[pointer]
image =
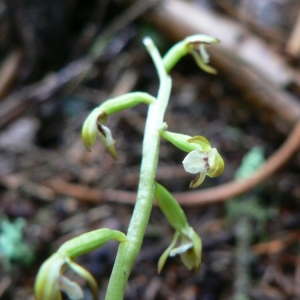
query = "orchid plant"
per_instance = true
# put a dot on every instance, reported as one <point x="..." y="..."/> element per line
<point x="201" y="159"/>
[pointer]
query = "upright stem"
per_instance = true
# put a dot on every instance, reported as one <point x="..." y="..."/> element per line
<point x="128" y="251"/>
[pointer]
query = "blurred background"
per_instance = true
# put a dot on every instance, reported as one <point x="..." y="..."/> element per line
<point x="61" y="58"/>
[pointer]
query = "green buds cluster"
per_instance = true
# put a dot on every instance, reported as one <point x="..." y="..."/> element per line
<point x="189" y="247"/>
<point x="50" y="280"/>
<point x="202" y="159"/>
<point x="194" y="45"/>
<point x="94" y="124"/>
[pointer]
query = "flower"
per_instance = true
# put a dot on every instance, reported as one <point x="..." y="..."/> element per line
<point x="94" y="123"/>
<point x="197" y="47"/>
<point x="189" y="249"/>
<point x="93" y="126"/>
<point x="50" y="280"/>
<point x="204" y="161"/>
<point x="194" y="45"/>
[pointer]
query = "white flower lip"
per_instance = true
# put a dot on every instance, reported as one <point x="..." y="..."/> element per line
<point x="198" y="161"/>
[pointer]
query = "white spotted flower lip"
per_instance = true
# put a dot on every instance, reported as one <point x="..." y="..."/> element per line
<point x="204" y="161"/>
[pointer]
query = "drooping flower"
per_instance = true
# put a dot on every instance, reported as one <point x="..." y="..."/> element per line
<point x="194" y="45"/>
<point x="186" y="241"/>
<point x="198" y="51"/>
<point x="189" y="249"/>
<point x="93" y="126"/>
<point x="50" y="281"/>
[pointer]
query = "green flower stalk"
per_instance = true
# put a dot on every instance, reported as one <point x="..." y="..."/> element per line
<point x="201" y="159"/>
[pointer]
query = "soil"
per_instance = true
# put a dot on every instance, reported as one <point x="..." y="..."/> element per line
<point x="49" y="181"/>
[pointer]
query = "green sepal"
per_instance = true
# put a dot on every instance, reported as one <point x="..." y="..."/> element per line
<point x="166" y="254"/>
<point x="90" y="130"/>
<point x="85" y="275"/>
<point x="201" y="141"/>
<point x="47" y="286"/>
<point x="192" y="257"/>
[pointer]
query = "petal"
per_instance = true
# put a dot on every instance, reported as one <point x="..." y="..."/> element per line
<point x="107" y="139"/>
<point x="198" y="39"/>
<point x="202" y="141"/>
<point x="196" y="162"/>
<point x="108" y="136"/>
<point x="192" y="257"/>
<point x="204" y="54"/>
<point x="90" y="129"/>
<point x="47" y="280"/>
<point x="189" y="260"/>
<point x="181" y="249"/>
<point x="71" y="288"/>
<point x="201" y="64"/>
<point x="198" y="180"/>
<point x="166" y="253"/>
<point x="216" y="163"/>
<point x="86" y="275"/>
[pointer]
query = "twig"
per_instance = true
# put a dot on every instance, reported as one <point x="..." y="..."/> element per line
<point x="5" y="283"/>
<point x="207" y="196"/>
<point x="293" y="43"/>
<point x="9" y="69"/>
<point x="277" y="245"/>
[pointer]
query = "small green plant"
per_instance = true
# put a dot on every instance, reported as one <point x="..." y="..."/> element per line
<point x="13" y="248"/>
<point x="201" y="159"/>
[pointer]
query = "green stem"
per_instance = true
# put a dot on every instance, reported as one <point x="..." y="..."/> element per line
<point x="128" y="251"/>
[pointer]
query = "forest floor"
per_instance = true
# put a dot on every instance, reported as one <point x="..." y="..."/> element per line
<point x="60" y="61"/>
